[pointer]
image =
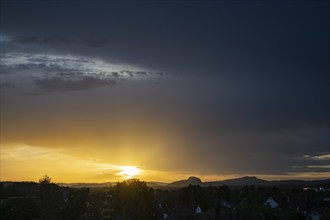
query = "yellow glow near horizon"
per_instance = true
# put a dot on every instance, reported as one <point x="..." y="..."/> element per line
<point x="129" y="171"/>
<point x="30" y="163"/>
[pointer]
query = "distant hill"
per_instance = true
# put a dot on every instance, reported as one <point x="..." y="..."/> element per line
<point x="249" y="180"/>
<point x="107" y="184"/>
<point x="156" y="184"/>
<point x="88" y="185"/>
<point x="182" y="183"/>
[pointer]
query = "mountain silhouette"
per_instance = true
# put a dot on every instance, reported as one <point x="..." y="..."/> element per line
<point x="190" y="181"/>
<point x="246" y="180"/>
<point x="242" y="181"/>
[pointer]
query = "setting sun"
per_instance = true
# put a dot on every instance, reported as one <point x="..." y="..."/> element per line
<point x="129" y="171"/>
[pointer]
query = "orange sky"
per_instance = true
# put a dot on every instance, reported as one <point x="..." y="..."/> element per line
<point x="26" y="163"/>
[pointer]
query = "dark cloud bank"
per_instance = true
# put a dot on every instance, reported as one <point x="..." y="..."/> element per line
<point x="59" y="40"/>
<point x="59" y="84"/>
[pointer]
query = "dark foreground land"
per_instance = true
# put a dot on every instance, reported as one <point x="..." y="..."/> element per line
<point x="134" y="199"/>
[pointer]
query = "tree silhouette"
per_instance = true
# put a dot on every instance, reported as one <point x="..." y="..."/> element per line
<point x="133" y="199"/>
<point x="45" y="180"/>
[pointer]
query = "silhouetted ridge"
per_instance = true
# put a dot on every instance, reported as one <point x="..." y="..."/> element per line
<point x="194" y="180"/>
<point x="190" y="181"/>
<point x="242" y="181"/>
<point x="246" y="180"/>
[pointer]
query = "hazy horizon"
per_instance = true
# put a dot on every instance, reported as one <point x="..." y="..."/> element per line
<point x="161" y="182"/>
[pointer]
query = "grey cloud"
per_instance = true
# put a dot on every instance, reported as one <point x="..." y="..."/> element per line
<point x="115" y="74"/>
<point x="60" y="40"/>
<point x="66" y="73"/>
<point x="60" y="84"/>
<point x="48" y="63"/>
<point x="305" y="163"/>
<point x="45" y="68"/>
<point x="127" y="72"/>
<point x="141" y="73"/>
<point x="312" y="168"/>
<point x="324" y="156"/>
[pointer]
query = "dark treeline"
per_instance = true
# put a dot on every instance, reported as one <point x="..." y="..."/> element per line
<point x="133" y="199"/>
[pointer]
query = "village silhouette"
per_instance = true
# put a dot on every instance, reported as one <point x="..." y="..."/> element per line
<point x="247" y="198"/>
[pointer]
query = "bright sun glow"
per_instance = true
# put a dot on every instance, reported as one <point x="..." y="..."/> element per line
<point x="129" y="171"/>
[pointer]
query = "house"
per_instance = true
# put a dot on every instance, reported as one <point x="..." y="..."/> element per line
<point x="191" y="212"/>
<point x="271" y="203"/>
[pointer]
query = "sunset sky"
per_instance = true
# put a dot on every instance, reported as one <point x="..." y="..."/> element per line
<point x="96" y="91"/>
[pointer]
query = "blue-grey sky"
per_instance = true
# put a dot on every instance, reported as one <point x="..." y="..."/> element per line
<point x="208" y="88"/>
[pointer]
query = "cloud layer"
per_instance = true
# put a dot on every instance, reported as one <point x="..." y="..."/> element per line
<point x="57" y="40"/>
<point x="66" y="72"/>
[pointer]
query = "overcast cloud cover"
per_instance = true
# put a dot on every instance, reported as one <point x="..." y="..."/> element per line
<point x="209" y="87"/>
